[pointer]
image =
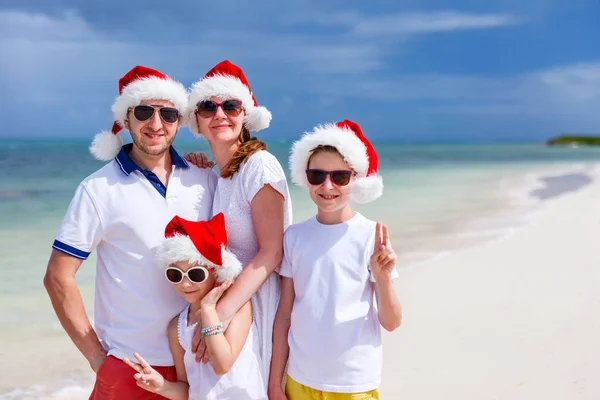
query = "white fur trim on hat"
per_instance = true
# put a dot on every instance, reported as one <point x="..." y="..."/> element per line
<point x="226" y="87"/>
<point x="366" y="189"/>
<point x="343" y="139"/>
<point x="106" y="145"/>
<point x="150" y="88"/>
<point x="181" y="248"/>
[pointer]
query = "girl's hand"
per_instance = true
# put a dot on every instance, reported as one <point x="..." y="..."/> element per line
<point x="146" y="377"/>
<point x="384" y="257"/>
<point x="199" y="159"/>
<point x="208" y="302"/>
<point x="211" y="298"/>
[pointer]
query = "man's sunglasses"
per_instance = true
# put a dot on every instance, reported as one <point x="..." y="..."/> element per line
<point x="208" y="108"/>
<point x="194" y="274"/>
<point x="169" y="115"/>
<point x="318" y="176"/>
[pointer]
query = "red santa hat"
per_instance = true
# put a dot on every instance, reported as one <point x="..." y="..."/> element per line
<point x="201" y="242"/>
<point x="347" y="137"/>
<point x="227" y="81"/>
<point x="139" y="84"/>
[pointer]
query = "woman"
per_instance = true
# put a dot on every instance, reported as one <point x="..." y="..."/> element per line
<point x="252" y="192"/>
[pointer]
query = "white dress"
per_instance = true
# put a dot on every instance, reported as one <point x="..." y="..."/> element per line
<point x="242" y="382"/>
<point x="233" y="197"/>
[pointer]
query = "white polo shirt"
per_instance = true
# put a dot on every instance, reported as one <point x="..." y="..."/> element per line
<point x="122" y="211"/>
<point x="335" y="334"/>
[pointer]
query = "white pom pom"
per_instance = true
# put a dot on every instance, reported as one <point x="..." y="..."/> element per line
<point x="257" y="118"/>
<point x="106" y="146"/>
<point x="231" y="266"/>
<point x="366" y="189"/>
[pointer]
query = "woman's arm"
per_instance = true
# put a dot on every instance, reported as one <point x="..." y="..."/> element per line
<point x="281" y="328"/>
<point x="267" y="208"/>
<point x="224" y="348"/>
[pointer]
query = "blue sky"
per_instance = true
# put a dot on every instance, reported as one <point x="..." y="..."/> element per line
<point x="405" y="70"/>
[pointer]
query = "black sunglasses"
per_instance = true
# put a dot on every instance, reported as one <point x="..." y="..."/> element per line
<point x="194" y="274"/>
<point x="208" y="108"/>
<point x="167" y="114"/>
<point x="318" y="176"/>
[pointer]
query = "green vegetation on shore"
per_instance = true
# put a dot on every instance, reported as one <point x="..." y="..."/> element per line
<point x="573" y="140"/>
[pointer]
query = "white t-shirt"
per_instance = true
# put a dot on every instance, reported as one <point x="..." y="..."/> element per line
<point x="335" y="335"/>
<point x="119" y="212"/>
<point x="233" y="198"/>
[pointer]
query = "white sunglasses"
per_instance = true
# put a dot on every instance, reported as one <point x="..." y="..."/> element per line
<point x="195" y="274"/>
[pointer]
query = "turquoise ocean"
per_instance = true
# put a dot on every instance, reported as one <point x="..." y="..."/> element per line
<point x="437" y="198"/>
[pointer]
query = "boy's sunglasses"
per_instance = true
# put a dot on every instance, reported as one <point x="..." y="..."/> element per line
<point x="209" y="108"/>
<point x="194" y="274"/>
<point x="318" y="176"/>
<point x="167" y="114"/>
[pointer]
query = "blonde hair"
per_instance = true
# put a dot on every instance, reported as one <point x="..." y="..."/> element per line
<point x="249" y="145"/>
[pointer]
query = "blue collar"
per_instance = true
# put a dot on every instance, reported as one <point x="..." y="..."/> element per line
<point x="127" y="165"/>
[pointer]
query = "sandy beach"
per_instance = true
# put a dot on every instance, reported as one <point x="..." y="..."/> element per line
<point x="517" y="318"/>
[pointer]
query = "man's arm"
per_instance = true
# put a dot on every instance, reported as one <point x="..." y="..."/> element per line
<point x="68" y="305"/>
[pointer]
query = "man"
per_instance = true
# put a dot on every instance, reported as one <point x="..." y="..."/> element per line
<point x="121" y="211"/>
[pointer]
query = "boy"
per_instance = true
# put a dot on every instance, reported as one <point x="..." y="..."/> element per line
<point x="334" y="264"/>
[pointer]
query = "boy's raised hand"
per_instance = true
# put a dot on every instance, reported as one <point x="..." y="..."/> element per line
<point x="384" y="257"/>
<point x="146" y="377"/>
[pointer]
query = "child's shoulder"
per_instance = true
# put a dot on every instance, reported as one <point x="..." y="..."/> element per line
<point x="298" y="227"/>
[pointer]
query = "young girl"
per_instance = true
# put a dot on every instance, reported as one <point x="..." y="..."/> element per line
<point x="195" y="258"/>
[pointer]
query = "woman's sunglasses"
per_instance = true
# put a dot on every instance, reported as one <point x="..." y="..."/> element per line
<point x="194" y="274"/>
<point x="208" y="108"/>
<point x="167" y="114"/>
<point x="318" y="176"/>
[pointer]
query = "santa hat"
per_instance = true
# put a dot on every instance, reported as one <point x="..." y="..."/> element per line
<point x="139" y="84"/>
<point x="202" y="242"/>
<point x="227" y="81"/>
<point x="347" y="137"/>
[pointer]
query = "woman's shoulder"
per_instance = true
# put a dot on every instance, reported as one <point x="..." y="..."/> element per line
<point x="262" y="160"/>
<point x="262" y="157"/>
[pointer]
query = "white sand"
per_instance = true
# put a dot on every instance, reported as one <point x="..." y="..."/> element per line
<point x="518" y="318"/>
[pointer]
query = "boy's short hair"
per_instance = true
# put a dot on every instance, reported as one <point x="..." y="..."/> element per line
<point x="323" y="148"/>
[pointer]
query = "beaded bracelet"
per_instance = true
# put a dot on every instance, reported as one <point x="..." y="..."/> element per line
<point x="212" y="330"/>
<point x="211" y="333"/>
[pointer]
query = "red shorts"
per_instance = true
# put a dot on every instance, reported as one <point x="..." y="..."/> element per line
<point x="115" y="381"/>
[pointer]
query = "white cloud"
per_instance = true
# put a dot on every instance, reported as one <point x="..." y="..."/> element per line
<point x="431" y="22"/>
<point x="406" y="24"/>
<point x="35" y="26"/>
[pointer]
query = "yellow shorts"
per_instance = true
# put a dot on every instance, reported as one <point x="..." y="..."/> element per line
<point x="297" y="391"/>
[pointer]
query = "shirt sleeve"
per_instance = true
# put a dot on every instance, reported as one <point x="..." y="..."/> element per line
<point x="262" y="168"/>
<point x="286" y="266"/>
<point x="81" y="229"/>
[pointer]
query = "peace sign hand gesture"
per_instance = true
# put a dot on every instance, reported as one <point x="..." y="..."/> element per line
<point x="146" y="377"/>
<point x="384" y="257"/>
